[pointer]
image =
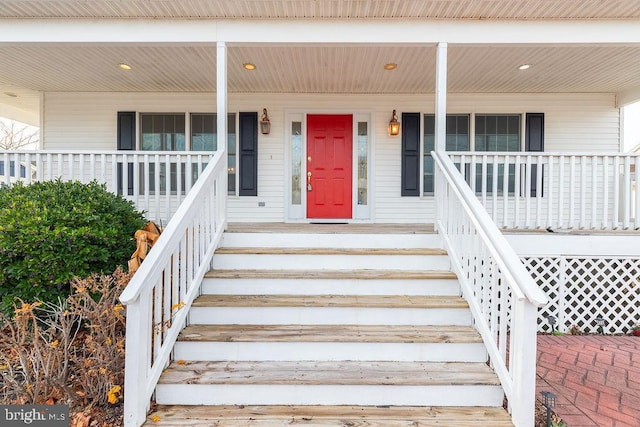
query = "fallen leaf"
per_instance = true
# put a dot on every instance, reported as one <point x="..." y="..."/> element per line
<point x="80" y="420"/>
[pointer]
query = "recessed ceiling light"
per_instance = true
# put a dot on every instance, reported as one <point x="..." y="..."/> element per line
<point x="11" y="94"/>
<point x="124" y="66"/>
<point x="390" y="66"/>
<point x="249" y="66"/>
<point x="524" y="67"/>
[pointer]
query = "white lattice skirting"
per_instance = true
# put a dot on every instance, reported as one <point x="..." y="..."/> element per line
<point x="582" y="289"/>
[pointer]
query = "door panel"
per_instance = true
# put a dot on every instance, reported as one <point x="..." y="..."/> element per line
<point x="329" y="160"/>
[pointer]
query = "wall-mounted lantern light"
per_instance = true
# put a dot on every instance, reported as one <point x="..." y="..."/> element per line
<point x="394" y="126"/>
<point x="265" y="124"/>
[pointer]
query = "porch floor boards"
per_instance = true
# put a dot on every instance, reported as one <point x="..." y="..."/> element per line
<point x="331" y="333"/>
<point x="364" y="301"/>
<point x="331" y="274"/>
<point x="329" y="228"/>
<point x="371" y="416"/>
<point x="331" y="251"/>
<point x="392" y="228"/>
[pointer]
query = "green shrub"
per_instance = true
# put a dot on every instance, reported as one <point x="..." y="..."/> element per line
<point x="51" y="232"/>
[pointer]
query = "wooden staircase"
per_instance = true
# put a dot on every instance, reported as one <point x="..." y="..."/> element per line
<point x="329" y="327"/>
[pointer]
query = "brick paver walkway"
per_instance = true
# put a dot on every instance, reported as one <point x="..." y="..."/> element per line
<point x="596" y="378"/>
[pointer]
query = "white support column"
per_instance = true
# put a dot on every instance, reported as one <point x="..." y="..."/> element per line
<point x="221" y="95"/>
<point x="441" y="97"/>
<point x="221" y="113"/>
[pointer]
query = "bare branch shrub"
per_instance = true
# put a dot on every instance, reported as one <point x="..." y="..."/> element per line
<point x="99" y="349"/>
<point x="72" y="352"/>
<point x="35" y="353"/>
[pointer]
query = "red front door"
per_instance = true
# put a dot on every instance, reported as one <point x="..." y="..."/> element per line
<point x="329" y="157"/>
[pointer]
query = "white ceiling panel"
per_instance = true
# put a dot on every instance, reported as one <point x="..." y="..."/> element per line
<point x="319" y="69"/>
<point x="333" y="9"/>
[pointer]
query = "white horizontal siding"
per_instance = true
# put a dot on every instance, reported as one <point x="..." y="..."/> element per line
<point x="573" y="122"/>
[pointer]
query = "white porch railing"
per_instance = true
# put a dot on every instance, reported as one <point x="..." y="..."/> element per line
<point x="156" y="182"/>
<point x="502" y="296"/>
<point x="160" y="294"/>
<point x="555" y="190"/>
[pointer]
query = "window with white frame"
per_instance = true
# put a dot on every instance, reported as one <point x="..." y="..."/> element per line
<point x="497" y="133"/>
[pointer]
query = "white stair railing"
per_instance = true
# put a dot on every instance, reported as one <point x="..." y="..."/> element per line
<point x="155" y="181"/>
<point x="593" y="191"/>
<point x="160" y="294"/>
<point x="502" y="296"/>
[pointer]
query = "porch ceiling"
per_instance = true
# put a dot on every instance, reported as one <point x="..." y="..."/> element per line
<point x="318" y="69"/>
<point x="329" y="9"/>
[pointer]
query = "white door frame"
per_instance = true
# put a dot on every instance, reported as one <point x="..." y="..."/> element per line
<point x="298" y="213"/>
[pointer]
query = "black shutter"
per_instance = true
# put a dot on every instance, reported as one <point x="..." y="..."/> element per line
<point x="126" y="141"/>
<point x="248" y="154"/>
<point x="410" y="154"/>
<point x="534" y="141"/>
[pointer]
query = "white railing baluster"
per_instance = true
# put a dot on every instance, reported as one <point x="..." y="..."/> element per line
<point x="550" y="189"/>
<point x="505" y="192"/>
<point x="49" y="174"/>
<point x="605" y="192"/>
<point x="27" y="168"/>
<point x="626" y="191"/>
<point x="485" y="174"/>
<point x="166" y="160"/>
<point x="517" y="188"/>
<point x="572" y="191"/>
<point x="494" y="189"/>
<point x="583" y="192"/>
<point x="6" y="165"/>
<point x="136" y="180"/>
<point x="539" y="172"/>
<point x="616" y="193"/>
<point x="594" y="186"/>
<point x="146" y="182"/>
<point x="158" y="184"/>
<point x="636" y="193"/>
<point x="71" y="170"/>
<point x="527" y="191"/>
<point x="561" y="190"/>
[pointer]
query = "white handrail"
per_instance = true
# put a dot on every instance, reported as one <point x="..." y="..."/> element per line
<point x="160" y="294"/>
<point x="502" y="296"/>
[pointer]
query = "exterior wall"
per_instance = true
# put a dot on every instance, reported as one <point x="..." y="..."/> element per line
<point x="573" y="122"/>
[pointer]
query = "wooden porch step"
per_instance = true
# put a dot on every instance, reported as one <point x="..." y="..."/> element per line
<point x="336" y="301"/>
<point x="329" y="416"/>
<point x="393" y="383"/>
<point x="331" y="333"/>
<point x="329" y="373"/>
<point x="328" y="251"/>
<point x="332" y="274"/>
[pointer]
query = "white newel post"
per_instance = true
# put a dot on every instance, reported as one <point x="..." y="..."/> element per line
<point x="525" y="328"/>
<point x="137" y="360"/>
